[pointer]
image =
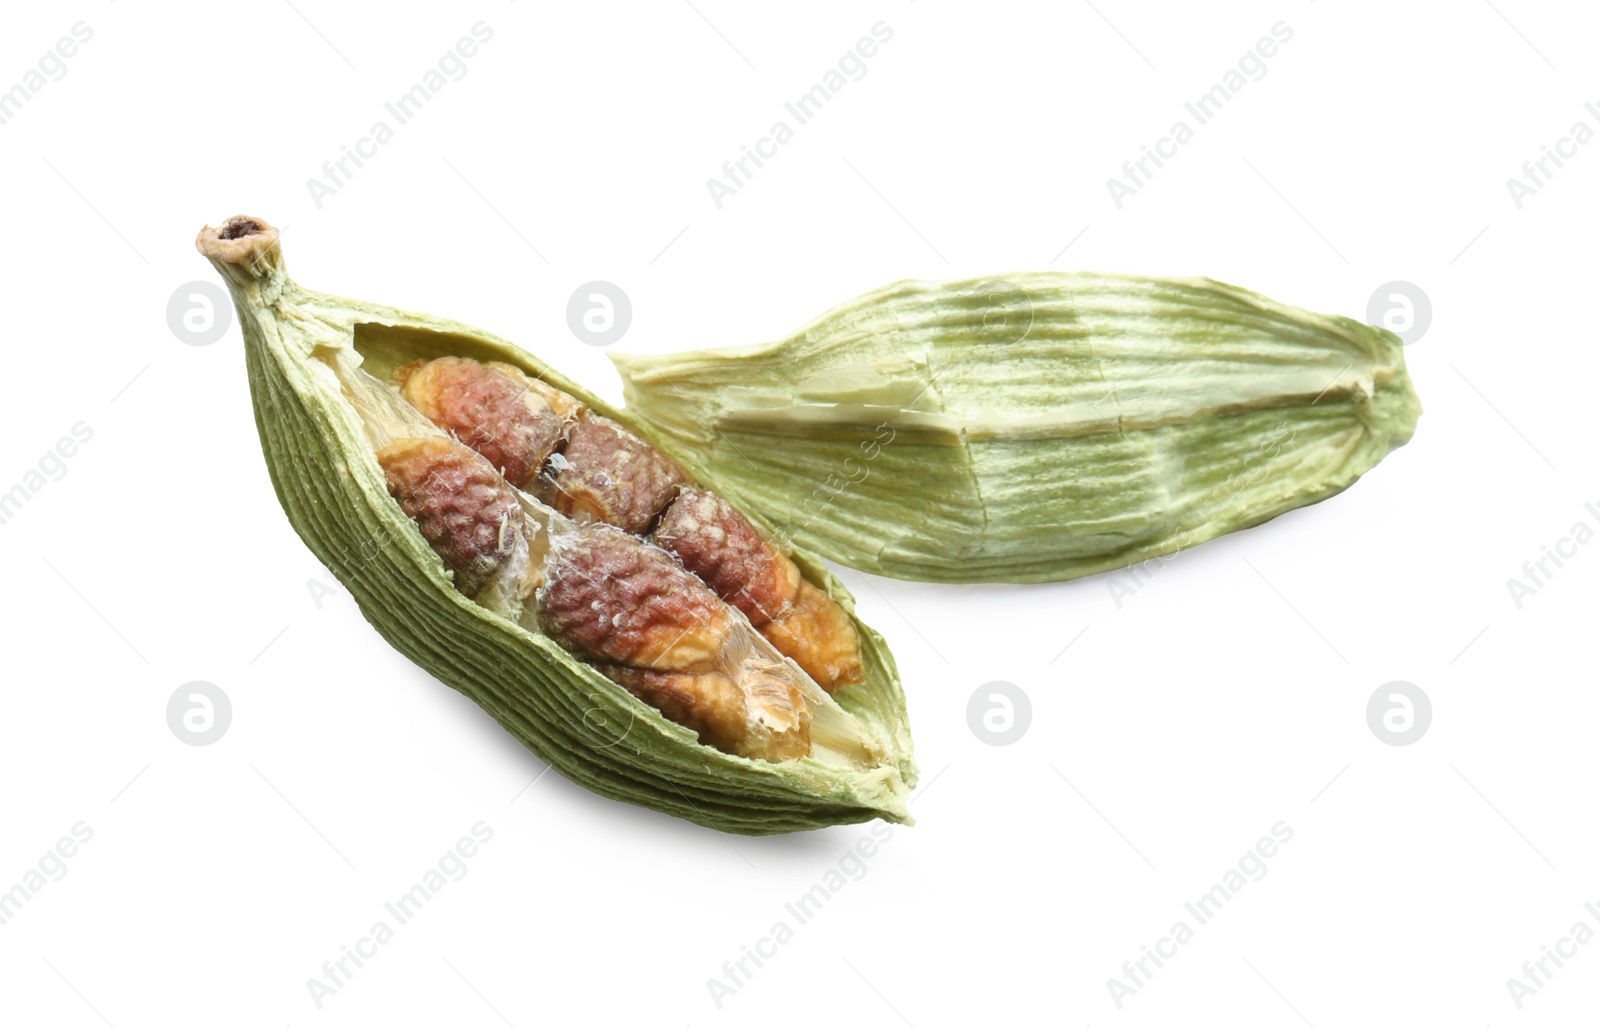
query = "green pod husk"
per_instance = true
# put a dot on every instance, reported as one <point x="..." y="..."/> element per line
<point x="1035" y="428"/>
<point x="583" y="725"/>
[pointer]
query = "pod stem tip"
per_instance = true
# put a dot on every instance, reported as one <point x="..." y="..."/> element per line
<point x="242" y="244"/>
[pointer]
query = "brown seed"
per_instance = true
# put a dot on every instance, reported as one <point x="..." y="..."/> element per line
<point x="568" y="407"/>
<point x="818" y="635"/>
<point x="767" y="725"/>
<point x="723" y="548"/>
<point x="513" y="426"/>
<point x="608" y="474"/>
<point x="463" y="507"/>
<point x="616" y="599"/>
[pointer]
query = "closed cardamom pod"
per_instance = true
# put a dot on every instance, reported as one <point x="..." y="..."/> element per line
<point x="1035" y="428"/>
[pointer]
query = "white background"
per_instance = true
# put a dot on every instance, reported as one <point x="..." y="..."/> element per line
<point x="1228" y="695"/>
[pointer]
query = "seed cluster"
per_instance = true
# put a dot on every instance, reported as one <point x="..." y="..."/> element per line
<point x="596" y="470"/>
<point x="644" y="582"/>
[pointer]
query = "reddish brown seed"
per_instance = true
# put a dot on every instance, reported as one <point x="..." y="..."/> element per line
<point x="616" y="599"/>
<point x="723" y="548"/>
<point x="818" y="635"/>
<point x="514" y="427"/>
<point x="566" y="406"/>
<point x="463" y="507"/>
<point x="608" y="474"/>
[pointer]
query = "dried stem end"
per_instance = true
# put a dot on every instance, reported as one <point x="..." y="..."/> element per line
<point x="242" y="247"/>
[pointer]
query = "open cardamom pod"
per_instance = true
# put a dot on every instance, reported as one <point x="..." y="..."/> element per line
<point x="496" y="523"/>
<point x="1035" y="428"/>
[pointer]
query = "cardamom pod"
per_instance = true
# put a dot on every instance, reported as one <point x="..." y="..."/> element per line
<point x="1035" y="428"/>
<point x="514" y="535"/>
